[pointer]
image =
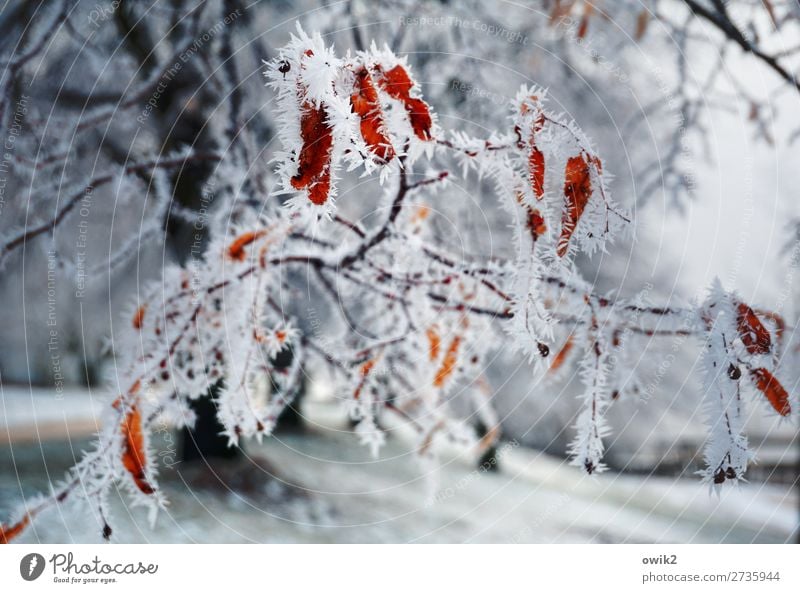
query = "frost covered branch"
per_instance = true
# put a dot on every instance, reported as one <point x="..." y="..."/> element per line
<point x="417" y="324"/>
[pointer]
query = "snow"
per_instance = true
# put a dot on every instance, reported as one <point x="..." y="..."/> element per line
<point x="322" y="486"/>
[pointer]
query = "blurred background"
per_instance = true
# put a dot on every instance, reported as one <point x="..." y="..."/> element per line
<point x="128" y="125"/>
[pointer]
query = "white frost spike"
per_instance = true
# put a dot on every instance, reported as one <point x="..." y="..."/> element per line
<point x="587" y="448"/>
<point x="304" y="77"/>
<point x="726" y="453"/>
<point x="370" y="435"/>
<point x="318" y="65"/>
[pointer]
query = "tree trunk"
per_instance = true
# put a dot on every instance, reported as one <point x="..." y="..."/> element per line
<point x="205" y="440"/>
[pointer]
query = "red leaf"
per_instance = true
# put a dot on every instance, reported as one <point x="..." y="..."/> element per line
<point x="318" y="192"/>
<point x="536" y="171"/>
<point x="133" y="453"/>
<point x="577" y="190"/>
<point x="773" y="390"/>
<point x="314" y="166"/>
<point x="754" y="335"/>
<point x="367" y="106"/>
<point x="641" y="24"/>
<point x="584" y="26"/>
<point x="536" y="224"/>
<point x="9" y="532"/>
<point x="397" y="83"/>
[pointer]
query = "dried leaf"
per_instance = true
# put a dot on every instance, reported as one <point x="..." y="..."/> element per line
<point x="398" y="84"/>
<point x="364" y="371"/>
<point x="577" y="191"/>
<point x="133" y="453"/>
<point x="314" y="165"/>
<point x="583" y="28"/>
<point x="561" y="357"/>
<point x="536" y="171"/>
<point x="9" y="532"/>
<point x="138" y="317"/>
<point x="366" y="105"/>
<point x="754" y="335"/>
<point x="448" y="363"/>
<point x="536" y="224"/>
<point x="780" y="324"/>
<point x="420" y="214"/>
<point x="641" y="24"/>
<point x="434" y="343"/>
<point x="773" y="390"/>
<point x="236" y="249"/>
<point x="367" y="367"/>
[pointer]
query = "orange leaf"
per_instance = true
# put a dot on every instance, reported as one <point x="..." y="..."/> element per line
<point x="236" y="249"/>
<point x="754" y="335"/>
<point x="314" y="165"/>
<point x="421" y="213"/>
<point x="577" y="190"/>
<point x="7" y="533"/>
<point x="364" y="372"/>
<point x="398" y="84"/>
<point x="558" y="359"/>
<point x="138" y="317"/>
<point x="448" y="363"/>
<point x="773" y="390"/>
<point x="367" y="106"/>
<point x="536" y="171"/>
<point x="133" y="453"/>
<point x="367" y="367"/>
<point x="434" y="342"/>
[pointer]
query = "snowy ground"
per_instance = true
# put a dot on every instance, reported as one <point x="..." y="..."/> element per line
<point x="326" y="488"/>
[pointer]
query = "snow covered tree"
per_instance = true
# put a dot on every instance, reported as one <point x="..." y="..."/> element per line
<point x="413" y="318"/>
